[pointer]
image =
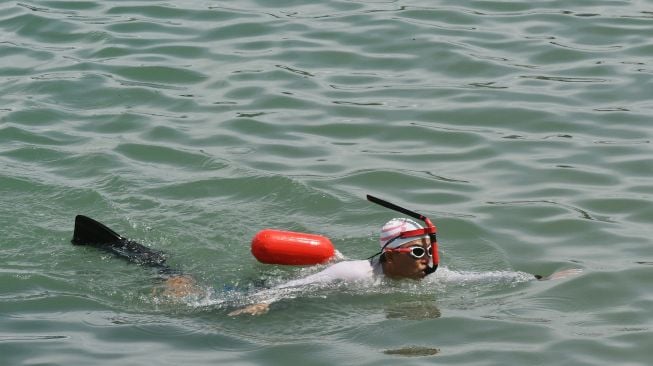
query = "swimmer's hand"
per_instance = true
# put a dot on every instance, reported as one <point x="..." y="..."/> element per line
<point x="255" y="309"/>
<point x="560" y="274"/>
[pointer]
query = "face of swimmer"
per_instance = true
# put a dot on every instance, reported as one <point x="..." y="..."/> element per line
<point x="402" y="262"/>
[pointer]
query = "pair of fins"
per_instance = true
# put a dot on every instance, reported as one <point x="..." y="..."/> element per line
<point x="93" y="233"/>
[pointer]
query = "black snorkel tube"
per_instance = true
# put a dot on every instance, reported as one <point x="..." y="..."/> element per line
<point x="430" y="229"/>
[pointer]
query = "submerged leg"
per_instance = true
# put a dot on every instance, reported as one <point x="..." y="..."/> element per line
<point x="181" y="286"/>
<point x="94" y="233"/>
<point x="91" y="232"/>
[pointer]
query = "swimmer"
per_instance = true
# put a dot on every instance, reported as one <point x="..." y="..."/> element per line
<point x="408" y="251"/>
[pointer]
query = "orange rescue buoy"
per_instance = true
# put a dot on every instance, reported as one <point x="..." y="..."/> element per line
<point x="287" y="247"/>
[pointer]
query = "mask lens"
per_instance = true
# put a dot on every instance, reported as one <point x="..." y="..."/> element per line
<point x="417" y="252"/>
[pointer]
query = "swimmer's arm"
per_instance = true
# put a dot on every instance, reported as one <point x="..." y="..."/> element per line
<point x="181" y="286"/>
<point x="254" y="309"/>
<point x="260" y="307"/>
<point x="560" y="274"/>
<point x="272" y="295"/>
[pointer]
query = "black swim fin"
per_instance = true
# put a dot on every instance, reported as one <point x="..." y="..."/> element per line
<point x="91" y="232"/>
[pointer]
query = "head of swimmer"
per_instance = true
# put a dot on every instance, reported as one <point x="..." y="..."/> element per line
<point x="401" y="262"/>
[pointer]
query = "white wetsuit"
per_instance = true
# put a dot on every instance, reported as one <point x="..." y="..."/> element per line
<point x="347" y="271"/>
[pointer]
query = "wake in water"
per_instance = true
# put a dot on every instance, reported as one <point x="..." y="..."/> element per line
<point x="446" y="276"/>
<point x="280" y="289"/>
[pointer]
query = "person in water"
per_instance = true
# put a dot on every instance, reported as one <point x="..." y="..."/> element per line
<point x="406" y="252"/>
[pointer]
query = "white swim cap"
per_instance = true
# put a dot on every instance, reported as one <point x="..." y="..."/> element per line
<point x="393" y="228"/>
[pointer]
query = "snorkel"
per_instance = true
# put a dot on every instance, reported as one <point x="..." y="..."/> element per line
<point x="429" y="230"/>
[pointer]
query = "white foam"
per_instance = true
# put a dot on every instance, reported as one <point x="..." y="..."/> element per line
<point x="447" y="276"/>
<point x="437" y="282"/>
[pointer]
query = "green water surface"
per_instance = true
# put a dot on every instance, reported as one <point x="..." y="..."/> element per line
<point x="523" y="129"/>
